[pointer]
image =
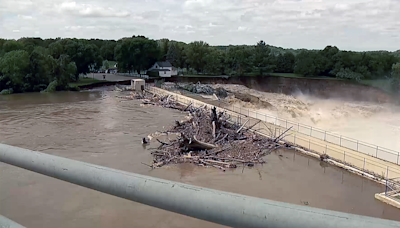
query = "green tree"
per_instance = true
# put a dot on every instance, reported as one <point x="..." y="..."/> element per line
<point x="164" y="46"/>
<point x="172" y="54"/>
<point x="195" y="55"/>
<point x="107" y="50"/>
<point x="395" y="83"/>
<point x="14" y="66"/>
<point x="56" y="49"/>
<point x="327" y="59"/>
<point x="261" y="57"/>
<point x="176" y="54"/>
<point x="349" y="74"/>
<point x="106" y="64"/>
<point x="137" y="53"/>
<point x="238" y="60"/>
<point x="86" y="56"/>
<point x="64" y="71"/>
<point x="212" y="61"/>
<point x="309" y="63"/>
<point x="285" y="63"/>
<point x="12" y="45"/>
<point x="40" y="70"/>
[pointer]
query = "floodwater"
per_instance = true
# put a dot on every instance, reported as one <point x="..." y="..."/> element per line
<point x="373" y="123"/>
<point x="98" y="127"/>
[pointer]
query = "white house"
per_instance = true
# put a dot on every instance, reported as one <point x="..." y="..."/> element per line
<point x="164" y="69"/>
<point x="112" y="70"/>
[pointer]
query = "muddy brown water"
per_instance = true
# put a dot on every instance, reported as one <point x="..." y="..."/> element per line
<point x="98" y="127"/>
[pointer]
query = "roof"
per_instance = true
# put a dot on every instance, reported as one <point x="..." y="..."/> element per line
<point x="164" y="64"/>
<point x="157" y="70"/>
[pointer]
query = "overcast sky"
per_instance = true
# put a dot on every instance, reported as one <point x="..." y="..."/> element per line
<point x="314" y="24"/>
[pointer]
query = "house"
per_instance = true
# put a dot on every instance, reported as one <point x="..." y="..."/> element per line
<point x="164" y="69"/>
<point x="112" y="70"/>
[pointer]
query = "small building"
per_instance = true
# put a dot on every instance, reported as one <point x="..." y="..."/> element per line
<point x="163" y="69"/>
<point x="137" y="84"/>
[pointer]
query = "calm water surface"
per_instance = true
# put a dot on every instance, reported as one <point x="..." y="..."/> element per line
<point x="98" y="127"/>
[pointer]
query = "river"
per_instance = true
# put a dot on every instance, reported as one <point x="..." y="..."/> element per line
<point x="97" y="127"/>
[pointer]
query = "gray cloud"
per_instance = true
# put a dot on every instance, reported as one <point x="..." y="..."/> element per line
<point x="354" y="25"/>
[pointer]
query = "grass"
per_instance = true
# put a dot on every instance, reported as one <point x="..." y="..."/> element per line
<point x="84" y="81"/>
<point x="398" y="196"/>
<point x="383" y="84"/>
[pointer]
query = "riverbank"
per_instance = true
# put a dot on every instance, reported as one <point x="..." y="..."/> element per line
<point x="381" y="84"/>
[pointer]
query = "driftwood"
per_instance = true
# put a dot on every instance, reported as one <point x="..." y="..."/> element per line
<point x="163" y="143"/>
<point x="278" y="138"/>
<point x="196" y="144"/>
<point x="187" y="107"/>
<point x="253" y="125"/>
<point x="207" y="138"/>
<point x="213" y="129"/>
<point x="220" y="163"/>
<point x="242" y="126"/>
<point x="222" y="138"/>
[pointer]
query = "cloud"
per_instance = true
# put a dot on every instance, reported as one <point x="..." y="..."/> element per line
<point x="354" y="25"/>
<point x="25" y="17"/>
<point x="87" y="10"/>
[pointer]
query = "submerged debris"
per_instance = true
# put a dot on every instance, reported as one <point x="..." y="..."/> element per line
<point x="207" y="138"/>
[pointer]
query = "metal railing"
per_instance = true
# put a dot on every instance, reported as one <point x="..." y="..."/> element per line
<point x="203" y="203"/>
<point x="373" y="166"/>
<point x="392" y="189"/>
<point x="343" y="141"/>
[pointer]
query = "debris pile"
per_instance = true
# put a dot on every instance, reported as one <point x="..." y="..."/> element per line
<point x="203" y="89"/>
<point x="207" y="138"/>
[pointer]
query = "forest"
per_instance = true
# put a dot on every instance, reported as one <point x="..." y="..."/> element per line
<point x="35" y="64"/>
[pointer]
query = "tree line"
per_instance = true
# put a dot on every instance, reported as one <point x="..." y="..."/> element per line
<point x="35" y="64"/>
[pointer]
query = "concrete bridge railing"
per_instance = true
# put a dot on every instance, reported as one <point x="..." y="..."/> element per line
<point x="203" y="203"/>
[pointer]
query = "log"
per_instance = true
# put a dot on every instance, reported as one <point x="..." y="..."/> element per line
<point x="162" y="142"/>
<point x="187" y="106"/>
<point x="242" y="126"/>
<point x="148" y="165"/>
<point x="277" y="138"/>
<point x="168" y="98"/>
<point x="224" y="164"/>
<point x="222" y="139"/>
<point x="253" y="125"/>
<point x="202" y="145"/>
<point x="213" y="165"/>
<point x="195" y="144"/>
<point x="234" y="159"/>
<point x="217" y="152"/>
<point x="213" y="127"/>
<point x="148" y="103"/>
